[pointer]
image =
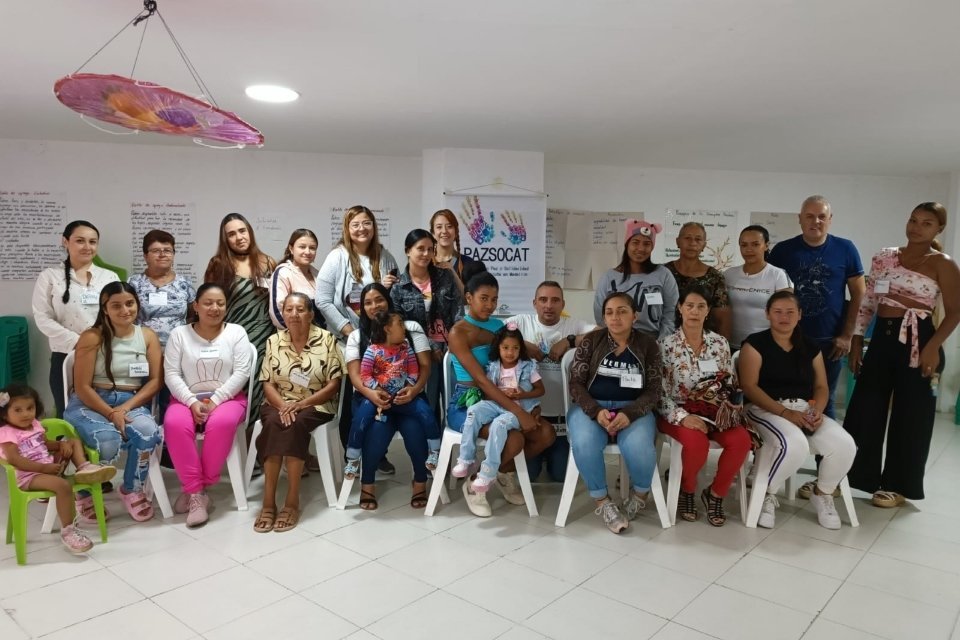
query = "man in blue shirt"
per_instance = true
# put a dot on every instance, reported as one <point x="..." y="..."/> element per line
<point x="823" y="268"/>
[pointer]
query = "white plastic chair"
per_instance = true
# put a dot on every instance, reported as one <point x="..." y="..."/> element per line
<point x="573" y="474"/>
<point x="154" y="475"/>
<point x="321" y="441"/>
<point x="451" y="438"/>
<point x="676" y="470"/>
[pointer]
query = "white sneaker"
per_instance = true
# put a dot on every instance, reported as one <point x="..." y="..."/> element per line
<point x="476" y="502"/>
<point x="612" y="516"/>
<point x="464" y="468"/>
<point x="510" y="488"/>
<point x="768" y="514"/>
<point x="826" y="512"/>
<point x="635" y="504"/>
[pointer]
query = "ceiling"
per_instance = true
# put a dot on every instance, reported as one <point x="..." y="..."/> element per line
<point x="850" y="86"/>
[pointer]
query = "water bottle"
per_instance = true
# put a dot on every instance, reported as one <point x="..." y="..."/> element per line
<point x="811" y="413"/>
<point x="935" y="384"/>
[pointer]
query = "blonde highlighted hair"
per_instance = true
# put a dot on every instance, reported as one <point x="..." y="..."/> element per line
<point x="374" y="249"/>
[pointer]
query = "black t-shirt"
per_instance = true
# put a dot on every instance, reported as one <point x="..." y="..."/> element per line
<point x="785" y="374"/>
<point x="607" y="383"/>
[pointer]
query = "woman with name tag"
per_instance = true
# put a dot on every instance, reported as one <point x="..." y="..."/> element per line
<point x="904" y="360"/>
<point x="783" y="376"/>
<point x="295" y="273"/>
<point x="700" y="403"/>
<point x="66" y="298"/>
<point x="688" y="270"/>
<point x="651" y="286"/>
<point x="614" y="387"/>
<point x="301" y="379"/>
<point x="206" y="367"/>
<point x="751" y="284"/>
<point x="117" y="373"/>
<point x="243" y="271"/>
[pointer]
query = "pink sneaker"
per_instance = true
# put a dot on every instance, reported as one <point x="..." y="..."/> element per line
<point x="86" y="513"/>
<point x="464" y="468"/>
<point x="90" y="473"/>
<point x="182" y="505"/>
<point x="198" y="516"/>
<point x="482" y="485"/>
<point x="75" y="539"/>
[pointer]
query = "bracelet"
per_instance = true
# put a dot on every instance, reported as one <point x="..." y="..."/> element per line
<point x="783" y="412"/>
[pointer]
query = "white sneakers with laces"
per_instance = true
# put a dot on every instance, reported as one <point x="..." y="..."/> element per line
<point x="510" y="488"/>
<point x="611" y="515"/>
<point x="827" y="514"/>
<point x="768" y="514"/>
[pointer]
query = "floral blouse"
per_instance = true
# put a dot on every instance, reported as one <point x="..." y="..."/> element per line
<point x="320" y="361"/>
<point x="712" y="282"/>
<point x="163" y="309"/>
<point x="682" y="369"/>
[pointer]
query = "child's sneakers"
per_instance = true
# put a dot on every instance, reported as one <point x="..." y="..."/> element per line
<point x="433" y="459"/>
<point x="482" y="484"/>
<point x="464" y="468"/>
<point x="86" y="512"/>
<point x="352" y="469"/>
<point x="75" y="539"/>
<point x="90" y="473"/>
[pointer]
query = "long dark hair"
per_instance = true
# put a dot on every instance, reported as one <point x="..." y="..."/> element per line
<point x="647" y="266"/>
<point x="221" y="269"/>
<point x="762" y="231"/>
<point x="365" y="321"/>
<point x="67" y="232"/>
<point x="18" y="390"/>
<point x="413" y="238"/>
<point x="379" y="324"/>
<point x="509" y="330"/>
<point x="296" y="235"/>
<point x="796" y="338"/>
<point x="104" y="325"/>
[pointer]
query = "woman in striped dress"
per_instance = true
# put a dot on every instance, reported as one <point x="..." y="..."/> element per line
<point x="243" y="271"/>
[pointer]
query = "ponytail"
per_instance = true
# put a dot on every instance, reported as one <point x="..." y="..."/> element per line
<point x="66" y="280"/>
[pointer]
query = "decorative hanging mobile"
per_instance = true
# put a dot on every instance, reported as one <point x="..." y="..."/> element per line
<point x="145" y="106"/>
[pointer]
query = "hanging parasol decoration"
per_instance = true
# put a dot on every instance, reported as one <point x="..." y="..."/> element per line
<point x="145" y="106"/>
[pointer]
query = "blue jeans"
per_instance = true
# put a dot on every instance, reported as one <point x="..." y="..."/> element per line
<point x="364" y="422"/>
<point x="588" y="438"/>
<point x="376" y="441"/>
<point x="833" y="367"/>
<point x="501" y="422"/>
<point x="554" y="458"/>
<point x="142" y="435"/>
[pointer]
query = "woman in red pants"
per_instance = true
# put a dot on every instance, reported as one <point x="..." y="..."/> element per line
<point x="696" y="405"/>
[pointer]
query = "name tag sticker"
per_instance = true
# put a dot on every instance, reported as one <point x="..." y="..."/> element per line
<point x="300" y="378"/>
<point x="210" y="352"/>
<point x="708" y="366"/>
<point x="653" y="297"/>
<point x="139" y="369"/>
<point x="157" y="299"/>
<point x="89" y="297"/>
<point x="632" y="380"/>
<point x="881" y="286"/>
<point x="354" y="296"/>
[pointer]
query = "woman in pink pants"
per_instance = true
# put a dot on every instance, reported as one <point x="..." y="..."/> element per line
<point x="206" y="367"/>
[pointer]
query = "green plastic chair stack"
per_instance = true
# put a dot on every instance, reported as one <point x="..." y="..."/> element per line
<point x="120" y="271"/>
<point x="14" y="350"/>
<point x="17" y="516"/>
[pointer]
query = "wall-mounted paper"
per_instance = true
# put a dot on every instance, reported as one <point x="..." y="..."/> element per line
<point x="32" y="224"/>
<point x="722" y="230"/>
<point x="176" y="218"/>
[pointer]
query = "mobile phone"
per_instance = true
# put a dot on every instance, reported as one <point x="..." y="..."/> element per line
<point x="203" y="396"/>
<point x="394" y="272"/>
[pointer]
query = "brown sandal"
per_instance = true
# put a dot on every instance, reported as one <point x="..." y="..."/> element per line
<point x="368" y="500"/>
<point x="419" y="498"/>
<point x="266" y="520"/>
<point x="287" y="519"/>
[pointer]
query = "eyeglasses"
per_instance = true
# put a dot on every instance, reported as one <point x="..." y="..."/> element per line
<point x="363" y="224"/>
<point x="161" y="252"/>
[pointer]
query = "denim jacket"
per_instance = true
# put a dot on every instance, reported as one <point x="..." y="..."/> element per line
<point x="446" y="304"/>
<point x="525" y="369"/>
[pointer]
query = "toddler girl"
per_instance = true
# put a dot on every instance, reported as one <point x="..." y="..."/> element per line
<point x="40" y="462"/>
<point x="390" y="364"/>
<point x="514" y="373"/>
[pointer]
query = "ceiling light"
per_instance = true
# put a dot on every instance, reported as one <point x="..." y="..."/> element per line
<point x="271" y="93"/>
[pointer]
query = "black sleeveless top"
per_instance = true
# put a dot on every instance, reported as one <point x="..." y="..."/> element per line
<point x="785" y="374"/>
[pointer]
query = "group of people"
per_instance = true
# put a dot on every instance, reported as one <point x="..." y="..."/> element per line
<point x="658" y="358"/>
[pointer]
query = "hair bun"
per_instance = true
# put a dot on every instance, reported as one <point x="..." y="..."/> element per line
<point x="512" y="326"/>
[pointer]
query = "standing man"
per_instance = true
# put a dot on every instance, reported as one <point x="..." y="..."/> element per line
<point x="823" y="268"/>
<point x="549" y="335"/>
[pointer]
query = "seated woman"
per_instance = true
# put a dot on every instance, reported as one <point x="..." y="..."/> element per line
<point x="206" y="367"/>
<point x="469" y="343"/>
<point x="697" y="406"/>
<point x="614" y="386"/>
<point x="375" y="299"/>
<point x="116" y="374"/>
<point x="301" y="375"/>
<point x="780" y="369"/>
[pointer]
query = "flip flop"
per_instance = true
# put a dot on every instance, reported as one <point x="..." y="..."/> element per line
<point x="419" y="499"/>
<point x="286" y="520"/>
<point x="265" y="520"/>
<point x="368" y="501"/>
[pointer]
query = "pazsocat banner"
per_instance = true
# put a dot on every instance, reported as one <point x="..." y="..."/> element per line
<point x="508" y="234"/>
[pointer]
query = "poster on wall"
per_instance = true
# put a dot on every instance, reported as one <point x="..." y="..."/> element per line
<point x="582" y="245"/>
<point x="176" y="218"/>
<point x="507" y="233"/>
<point x="780" y="225"/>
<point x="722" y="229"/>
<point x="336" y="228"/>
<point x="32" y="223"/>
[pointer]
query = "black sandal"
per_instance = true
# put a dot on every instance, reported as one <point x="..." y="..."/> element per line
<point x="714" y="505"/>
<point x="368" y="500"/>
<point x="419" y="499"/>
<point x="687" y="507"/>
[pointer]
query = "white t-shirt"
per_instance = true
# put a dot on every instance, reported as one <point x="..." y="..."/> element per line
<point x="546" y="336"/>
<point x="748" y="299"/>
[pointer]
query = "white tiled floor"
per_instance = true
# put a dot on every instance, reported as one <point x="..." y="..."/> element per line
<point x="396" y="574"/>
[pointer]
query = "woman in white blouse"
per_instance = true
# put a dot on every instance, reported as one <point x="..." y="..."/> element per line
<point x="66" y="298"/>
<point x="206" y="365"/>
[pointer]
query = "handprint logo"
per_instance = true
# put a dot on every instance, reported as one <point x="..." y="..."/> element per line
<point x="479" y="228"/>
<point x="514" y="222"/>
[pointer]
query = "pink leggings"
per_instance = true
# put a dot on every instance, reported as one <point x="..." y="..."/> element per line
<point x="198" y="471"/>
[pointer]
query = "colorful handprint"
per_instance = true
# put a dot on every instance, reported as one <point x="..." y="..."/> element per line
<point x="479" y="228"/>
<point x="514" y="222"/>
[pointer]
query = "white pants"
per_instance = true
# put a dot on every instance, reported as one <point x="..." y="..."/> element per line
<point x="792" y="445"/>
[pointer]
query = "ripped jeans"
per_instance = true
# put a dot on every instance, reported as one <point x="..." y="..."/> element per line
<point x="142" y="435"/>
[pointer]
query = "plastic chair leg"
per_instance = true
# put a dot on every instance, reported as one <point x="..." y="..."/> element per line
<point x="251" y="454"/>
<point x="322" y="442"/>
<point x="156" y="484"/>
<point x="235" y="471"/>
<point x="569" y="488"/>
<point x="18" y="517"/>
<point x="440" y="473"/>
<point x="523" y="476"/>
<point x="759" y="491"/>
<point x="50" y="517"/>
<point x="656" y="488"/>
<point x="847" y="494"/>
<point x="673" y="484"/>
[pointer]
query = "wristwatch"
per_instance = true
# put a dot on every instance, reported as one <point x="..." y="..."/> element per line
<point x="572" y="340"/>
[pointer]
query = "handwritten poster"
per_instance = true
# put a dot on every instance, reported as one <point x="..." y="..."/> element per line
<point x="336" y="226"/>
<point x="582" y="245"/>
<point x="780" y="225"/>
<point x="176" y="218"/>
<point x="32" y="224"/>
<point x="722" y="229"/>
